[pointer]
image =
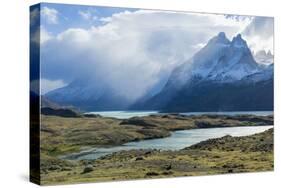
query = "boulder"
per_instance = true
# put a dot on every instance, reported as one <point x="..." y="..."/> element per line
<point x="88" y="168"/>
<point x="139" y="158"/>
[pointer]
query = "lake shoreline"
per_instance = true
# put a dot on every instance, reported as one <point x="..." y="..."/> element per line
<point x="140" y="113"/>
<point x="220" y="155"/>
<point x="65" y="135"/>
<point x="76" y="156"/>
<point x="104" y="132"/>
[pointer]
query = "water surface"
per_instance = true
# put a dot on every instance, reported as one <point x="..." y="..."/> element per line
<point x="178" y="140"/>
<point x="129" y="114"/>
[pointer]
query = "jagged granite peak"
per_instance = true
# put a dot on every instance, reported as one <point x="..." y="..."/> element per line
<point x="239" y="42"/>
<point x="219" y="39"/>
<point x="228" y="62"/>
<point x="222" y="35"/>
<point x="219" y="69"/>
<point x="224" y="69"/>
<point x="269" y="53"/>
<point x="261" y="53"/>
<point x="263" y="57"/>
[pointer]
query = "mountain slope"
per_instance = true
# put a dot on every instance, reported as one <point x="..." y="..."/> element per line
<point x="264" y="58"/>
<point x="88" y="95"/>
<point x="222" y="76"/>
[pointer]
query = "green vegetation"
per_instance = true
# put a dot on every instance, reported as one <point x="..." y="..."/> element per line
<point x="67" y="135"/>
<point x="228" y="154"/>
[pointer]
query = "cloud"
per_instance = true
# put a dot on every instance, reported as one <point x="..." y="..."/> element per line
<point x="260" y="34"/>
<point x="41" y="35"/>
<point x="50" y="15"/>
<point x="88" y="15"/>
<point x="132" y="52"/>
<point x="49" y="85"/>
<point x="85" y="14"/>
<point x="34" y="16"/>
<point x="44" y="35"/>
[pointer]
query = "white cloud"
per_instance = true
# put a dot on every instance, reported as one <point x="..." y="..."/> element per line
<point x="41" y="35"/>
<point x="49" y="85"/>
<point x="85" y="14"/>
<point x="34" y="16"/>
<point x="88" y="15"/>
<point x="35" y="37"/>
<point x="45" y="35"/>
<point x="50" y="15"/>
<point x="259" y="34"/>
<point x="133" y="51"/>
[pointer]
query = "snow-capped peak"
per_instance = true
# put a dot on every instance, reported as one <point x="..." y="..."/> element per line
<point x="220" y="60"/>
<point x="219" y="39"/>
<point x="238" y="42"/>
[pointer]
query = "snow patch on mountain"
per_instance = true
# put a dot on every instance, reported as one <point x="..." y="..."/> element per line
<point x="264" y="75"/>
<point x="220" y="60"/>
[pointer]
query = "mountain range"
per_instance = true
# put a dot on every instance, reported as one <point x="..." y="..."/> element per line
<point x="264" y="57"/>
<point x="222" y="76"/>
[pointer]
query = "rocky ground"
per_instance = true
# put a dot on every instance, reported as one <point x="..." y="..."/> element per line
<point x="223" y="155"/>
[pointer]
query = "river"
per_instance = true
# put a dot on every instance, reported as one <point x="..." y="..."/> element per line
<point x="177" y="140"/>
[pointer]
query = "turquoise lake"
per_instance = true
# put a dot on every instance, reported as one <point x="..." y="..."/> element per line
<point x="178" y="140"/>
<point x="129" y="114"/>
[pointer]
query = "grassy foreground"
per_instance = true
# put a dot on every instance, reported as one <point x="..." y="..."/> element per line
<point x="228" y="154"/>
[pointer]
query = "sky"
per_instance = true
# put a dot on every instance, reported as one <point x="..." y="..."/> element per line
<point x="131" y="50"/>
